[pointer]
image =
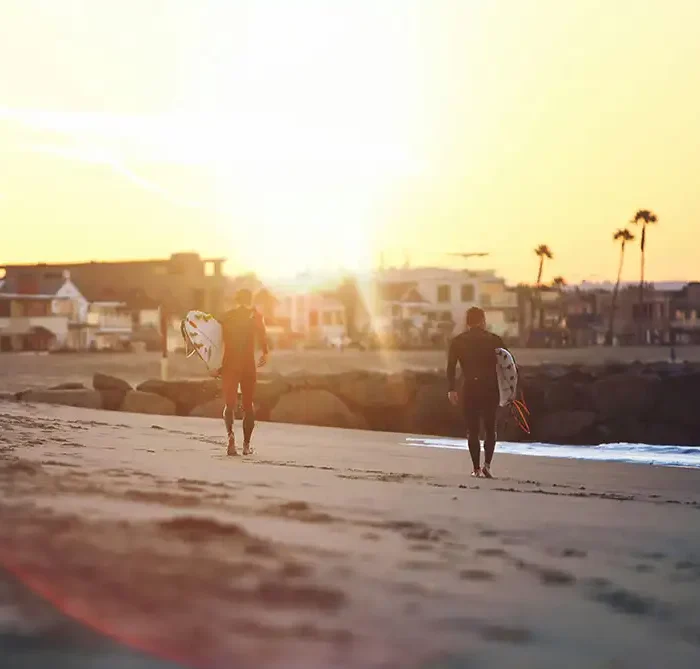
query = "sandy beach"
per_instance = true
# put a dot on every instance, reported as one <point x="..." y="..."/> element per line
<point x="338" y="548"/>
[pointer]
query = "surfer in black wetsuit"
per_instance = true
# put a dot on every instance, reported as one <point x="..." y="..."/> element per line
<point x="475" y="350"/>
<point x="243" y="327"/>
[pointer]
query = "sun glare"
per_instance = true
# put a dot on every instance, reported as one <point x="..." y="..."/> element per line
<point x="315" y="136"/>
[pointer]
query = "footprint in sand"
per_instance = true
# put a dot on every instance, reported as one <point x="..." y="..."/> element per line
<point x="624" y="601"/>
<point x="573" y="553"/>
<point x="491" y="552"/>
<point x="503" y="634"/>
<point x="476" y="575"/>
<point x="644" y="568"/>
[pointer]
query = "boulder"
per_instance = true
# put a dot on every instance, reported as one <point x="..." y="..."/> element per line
<point x="106" y="382"/>
<point x="431" y="413"/>
<point x="269" y="390"/>
<point x="136" y="401"/>
<point x="215" y="409"/>
<point x="565" y="395"/>
<point x="211" y="409"/>
<point x="112" y="399"/>
<point x="677" y="402"/>
<point x="674" y="434"/>
<point x="565" y="427"/>
<point x="185" y="395"/>
<point x="624" y="395"/>
<point x="70" y="385"/>
<point x="8" y="397"/>
<point x="534" y="391"/>
<point x="376" y="391"/>
<point x="304" y="381"/>
<point x="86" y="399"/>
<point x="315" y="407"/>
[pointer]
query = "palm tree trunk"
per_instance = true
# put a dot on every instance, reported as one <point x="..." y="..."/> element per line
<point x="613" y="305"/>
<point x="642" y="319"/>
<point x="539" y="295"/>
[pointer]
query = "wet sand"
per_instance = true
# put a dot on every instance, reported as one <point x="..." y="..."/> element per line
<point x="338" y="548"/>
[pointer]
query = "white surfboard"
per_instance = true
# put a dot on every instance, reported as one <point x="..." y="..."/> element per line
<point x="203" y="335"/>
<point x="507" y="373"/>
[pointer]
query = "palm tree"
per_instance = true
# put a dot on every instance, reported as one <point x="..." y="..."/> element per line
<point x="542" y="252"/>
<point x="623" y="235"/>
<point x="643" y="217"/>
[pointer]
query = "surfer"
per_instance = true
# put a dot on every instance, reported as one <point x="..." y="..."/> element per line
<point x="243" y="327"/>
<point x="475" y="350"/>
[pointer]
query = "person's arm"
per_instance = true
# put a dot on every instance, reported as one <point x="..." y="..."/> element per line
<point x="451" y="366"/>
<point x="452" y="359"/>
<point x="261" y="335"/>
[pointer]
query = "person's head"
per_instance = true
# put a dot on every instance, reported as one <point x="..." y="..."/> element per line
<point x="244" y="297"/>
<point x="476" y="318"/>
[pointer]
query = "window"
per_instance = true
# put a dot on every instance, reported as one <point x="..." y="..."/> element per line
<point x="340" y="317"/>
<point x="313" y="319"/>
<point x="443" y="294"/>
<point x="467" y="292"/>
<point x="328" y="318"/>
<point x="485" y="300"/>
<point x="446" y="316"/>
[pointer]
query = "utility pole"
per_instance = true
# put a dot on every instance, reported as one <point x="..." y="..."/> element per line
<point x="164" y="342"/>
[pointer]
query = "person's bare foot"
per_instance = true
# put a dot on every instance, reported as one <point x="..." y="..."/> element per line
<point x="231" y="450"/>
<point x="486" y="471"/>
<point x="476" y="473"/>
<point x="247" y="449"/>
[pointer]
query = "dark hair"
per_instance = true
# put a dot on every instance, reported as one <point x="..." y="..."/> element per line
<point x="475" y="317"/>
<point x="244" y="296"/>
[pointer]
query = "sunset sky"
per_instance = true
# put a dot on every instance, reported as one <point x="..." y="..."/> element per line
<point x="312" y="134"/>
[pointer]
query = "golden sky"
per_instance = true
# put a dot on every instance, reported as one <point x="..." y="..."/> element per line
<point x="310" y="134"/>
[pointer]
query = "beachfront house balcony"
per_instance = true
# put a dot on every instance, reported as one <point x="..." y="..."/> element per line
<point x="110" y="325"/>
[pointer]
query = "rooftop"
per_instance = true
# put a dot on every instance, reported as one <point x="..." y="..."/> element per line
<point x="148" y="261"/>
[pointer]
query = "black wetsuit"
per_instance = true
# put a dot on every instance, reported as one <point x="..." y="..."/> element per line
<point x="475" y="350"/>
<point x="243" y="328"/>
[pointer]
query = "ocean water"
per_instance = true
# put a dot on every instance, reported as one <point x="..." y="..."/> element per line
<point x="664" y="456"/>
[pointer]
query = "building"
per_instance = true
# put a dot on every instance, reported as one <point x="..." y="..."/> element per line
<point x="43" y="312"/>
<point x="635" y="323"/>
<point x="441" y="295"/>
<point x="319" y="317"/>
<point x="112" y="302"/>
<point x="685" y="315"/>
<point x="669" y="314"/>
<point x="109" y="325"/>
<point x="179" y="283"/>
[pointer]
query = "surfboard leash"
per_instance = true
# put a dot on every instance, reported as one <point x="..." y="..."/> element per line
<point x="520" y="413"/>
